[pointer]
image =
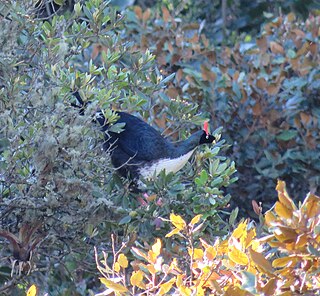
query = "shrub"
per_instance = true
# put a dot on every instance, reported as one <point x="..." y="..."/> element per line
<point x="283" y="260"/>
<point x="263" y="91"/>
<point x="59" y="193"/>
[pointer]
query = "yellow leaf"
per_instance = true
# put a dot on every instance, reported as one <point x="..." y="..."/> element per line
<point x="156" y="248"/>
<point x="151" y="268"/>
<point x="251" y="234"/>
<point x="151" y="197"/>
<point x="204" y="243"/>
<point x="302" y="240"/>
<point x="179" y="281"/>
<point x="152" y="257"/>
<point x="197" y="253"/>
<point x="197" y="290"/>
<point x="288" y="234"/>
<point x="113" y="286"/>
<point x="184" y="291"/>
<point x="174" y="267"/>
<point x="270" y="287"/>
<point x="255" y="244"/>
<point x="238" y="256"/>
<point x="234" y="290"/>
<point x="136" y="279"/>
<point x="223" y="247"/>
<point x="311" y="206"/>
<point x="282" y="211"/>
<point x="269" y="217"/>
<point x="261" y="262"/>
<point x="240" y="230"/>
<point x="174" y="231"/>
<point x="195" y="219"/>
<point x="211" y="253"/>
<point x="123" y="261"/>
<point x="116" y="267"/>
<point x="177" y="221"/>
<point x="281" y="186"/>
<point x="284" y="197"/>
<point x="282" y="262"/>
<point x="32" y="291"/>
<point x="165" y="288"/>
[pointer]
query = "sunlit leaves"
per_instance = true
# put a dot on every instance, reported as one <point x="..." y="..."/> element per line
<point x="177" y="221"/>
<point x="113" y="286"/>
<point x="174" y="231"/>
<point x="136" y="279"/>
<point x="294" y="230"/>
<point x="32" y="291"/>
<point x="123" y="261"/>
<point x="210" y="253"/>
<point x="165" y="287"/>
<point x="237" y="256"/>
<point x="261" y="262"/>
<point x="241" y="263"/>
<point x="195" y="219"/>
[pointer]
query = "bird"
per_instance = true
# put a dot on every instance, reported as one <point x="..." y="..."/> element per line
<point x="140" y="151"/>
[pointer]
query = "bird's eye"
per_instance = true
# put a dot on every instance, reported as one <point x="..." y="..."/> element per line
<point x="207" y="137"/>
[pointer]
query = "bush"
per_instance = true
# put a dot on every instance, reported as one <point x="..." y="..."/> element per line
<point x="59" y="193"/>
<point x="279" y="257"/>
<point x="263" y="91"/>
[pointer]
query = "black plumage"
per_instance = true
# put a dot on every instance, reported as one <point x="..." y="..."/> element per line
<point x="140" y="150"/>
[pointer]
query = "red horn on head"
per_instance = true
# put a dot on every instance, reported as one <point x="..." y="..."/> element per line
<point x="206" y="127"/>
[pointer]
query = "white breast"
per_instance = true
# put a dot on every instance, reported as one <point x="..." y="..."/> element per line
<point x="169" y="165"/>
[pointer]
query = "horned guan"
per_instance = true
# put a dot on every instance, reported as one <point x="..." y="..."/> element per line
<point x="141" y="151"/>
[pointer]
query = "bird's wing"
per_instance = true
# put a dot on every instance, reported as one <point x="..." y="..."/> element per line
<point x="139" y="140"/>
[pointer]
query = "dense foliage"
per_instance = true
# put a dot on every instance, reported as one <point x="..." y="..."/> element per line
<point x="59" y="193"/>
<point x="60" y="196"/>
<point x="263" y="91"/>
<point x="281" y="258"/>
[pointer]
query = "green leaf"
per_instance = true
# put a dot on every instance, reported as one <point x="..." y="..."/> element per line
<point x="125" y="220"/>
<point x="215" y="151"/>
<point x="221" y="168"/>
<point x="117" y="127"/>
<point x="47" y="28"/>
<point x="216" y="181"/>
<point x="167" y="79"/>
<point x="287" y="135"/>
<point x="214" y="166"/>
<point x="202" y="179"/>
<point x="233" y="216"/>
<point x="59" y="2"/>
<point x="88" y="13"/>
<point x="77" y="8"/>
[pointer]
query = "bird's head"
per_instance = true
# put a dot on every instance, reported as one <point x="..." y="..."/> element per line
<point x="206" y="138"/>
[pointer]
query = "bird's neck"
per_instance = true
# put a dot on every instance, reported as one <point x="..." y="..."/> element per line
<point x="183" y="147"/>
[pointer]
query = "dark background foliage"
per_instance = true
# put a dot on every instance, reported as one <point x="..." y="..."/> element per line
<point x="250" y="67"/>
